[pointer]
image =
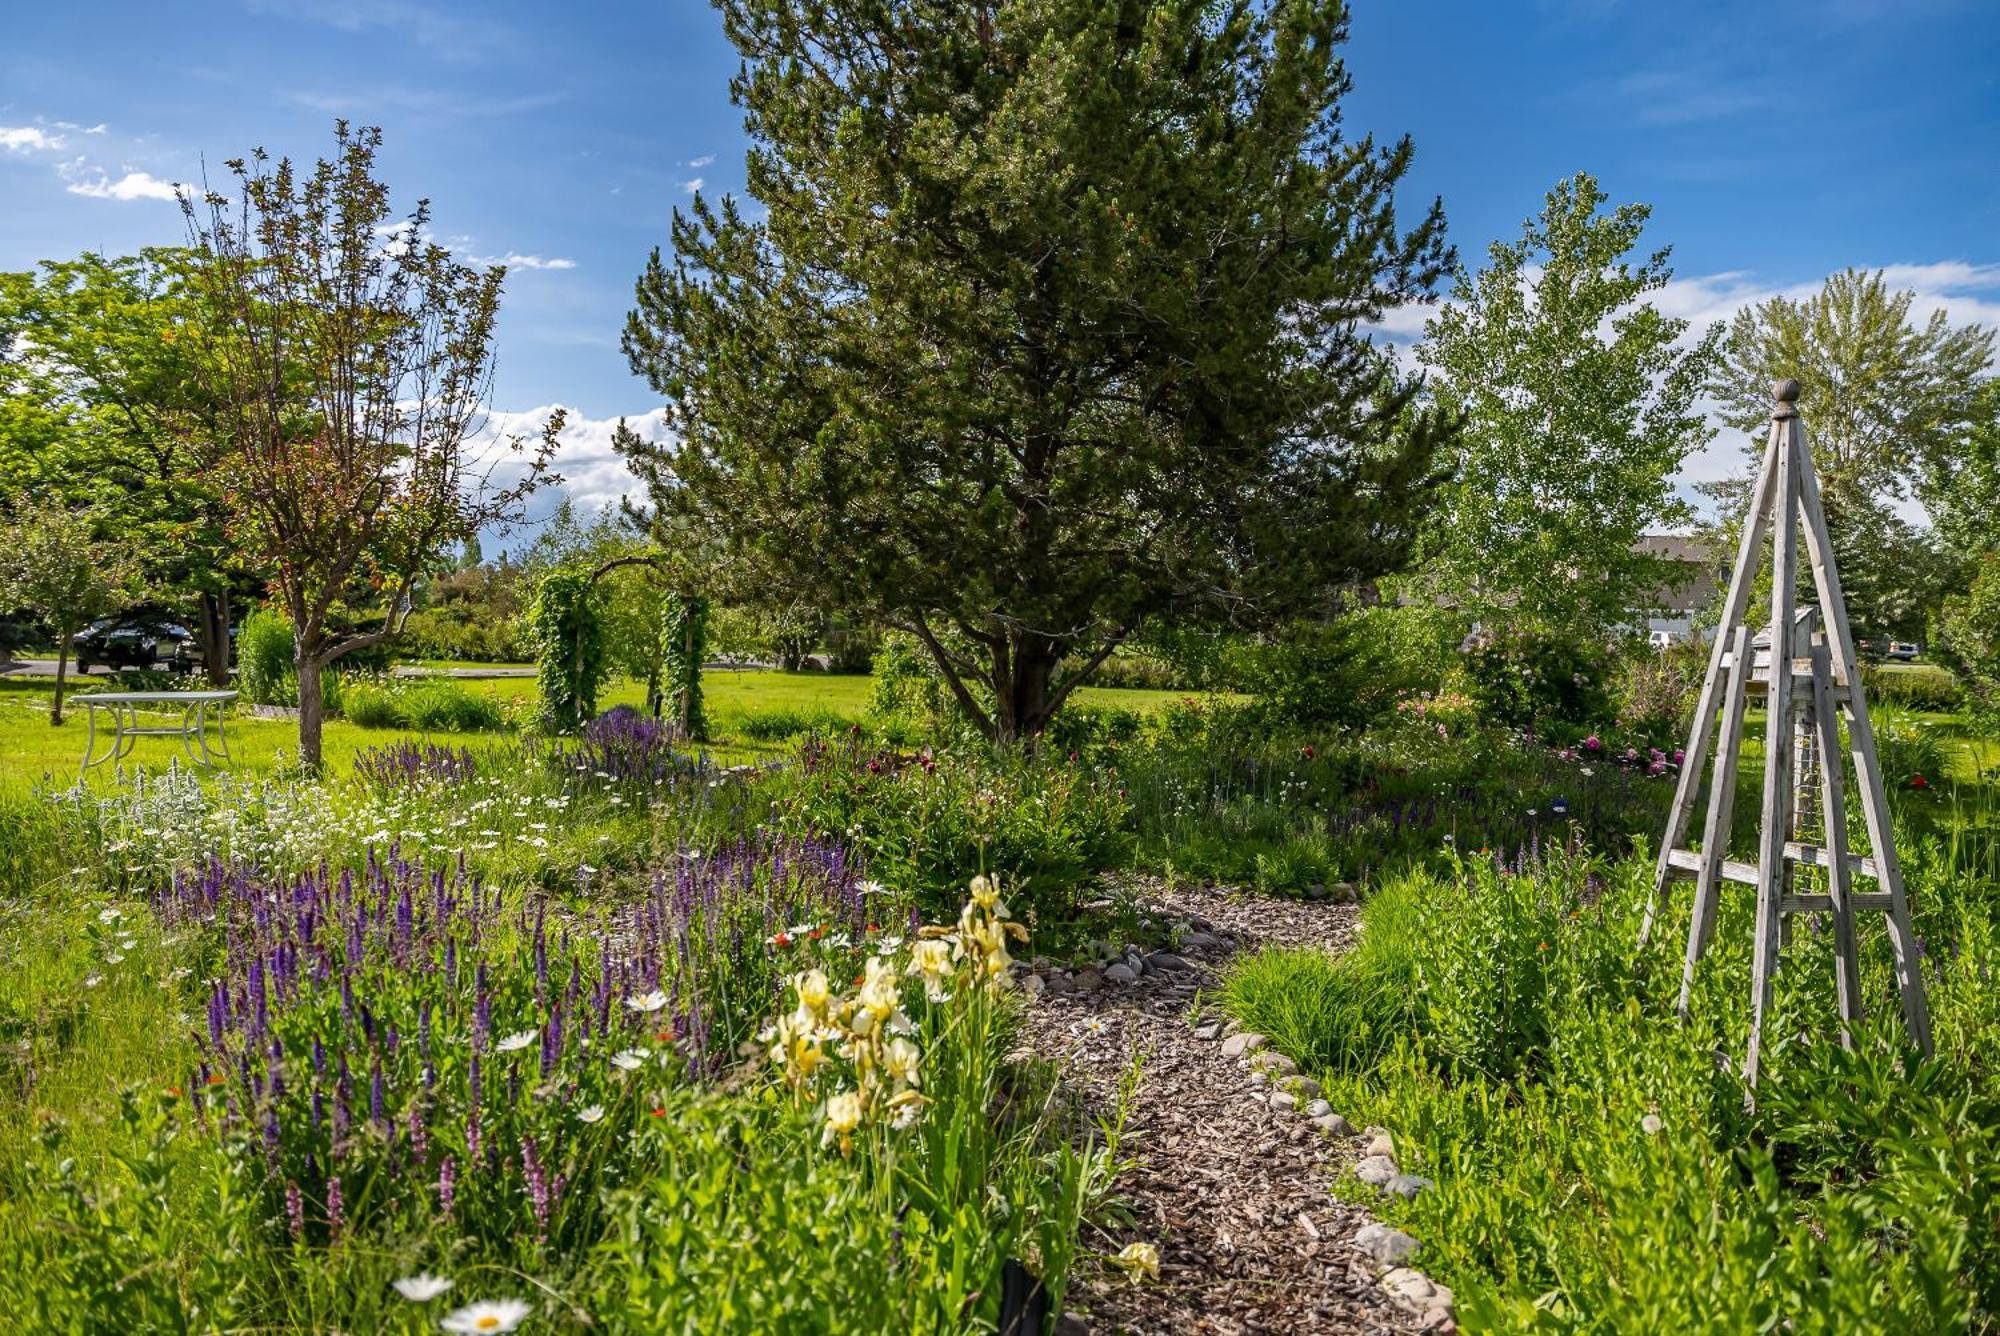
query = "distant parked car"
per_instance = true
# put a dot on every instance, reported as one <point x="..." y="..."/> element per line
<point x="1661" y="639"/>
<point x="188" y="657"/>
<point x="128" y="643"/>
<point x="1903" y="650"/>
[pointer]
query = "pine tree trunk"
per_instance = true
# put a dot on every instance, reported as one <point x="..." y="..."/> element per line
<point x="62" y="670"/>
<point x="312" y="709"/>
<point x="1021" y="705"/>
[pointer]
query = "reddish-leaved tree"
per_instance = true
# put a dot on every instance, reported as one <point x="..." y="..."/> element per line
<point x="351" y="358"/>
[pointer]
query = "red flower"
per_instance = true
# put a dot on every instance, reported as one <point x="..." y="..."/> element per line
<point x="1307" y="751"/>
<point x="659" y="1113"/>
<point x="1919" y="782"/>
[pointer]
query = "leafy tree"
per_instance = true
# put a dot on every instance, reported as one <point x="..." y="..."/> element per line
<point x="1884" y="398"/>
<point x="1050" y="324"/>
<point x="54" y="565"/>
<point x="1970" y="640"/>
<point x="1887" y="404"/>
<point x="350" y="377"/>
<point x="1962" y="485"/>
<point x="120" y="421"/>
<point x="1579" y="406"/>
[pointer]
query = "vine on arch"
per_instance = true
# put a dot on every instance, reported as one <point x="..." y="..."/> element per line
<point x="566" y="626"/>
<point x="686" y="627"/>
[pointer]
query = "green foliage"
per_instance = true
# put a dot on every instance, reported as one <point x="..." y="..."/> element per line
<point x="431" y="705"/>
<point x="1529" y="677"/>
<point x="1923" y="690"/>
<point x="684" y="632"/>
<point x="1596" y="1169"/>
<point x="1971" y="636"/>
<point x="1182" y="420"/>
<point x="918" y="820"/>
<point x="1885" y="399"/>
<point x="1579" y="404"/>
<point x="566" y="629"/>
<point x="776" y="723"/>
<point x="1349" y="671"/>
<point x="264" y="649"/>
<point x="53" y="564"/>
<point x="1653" y="693"/>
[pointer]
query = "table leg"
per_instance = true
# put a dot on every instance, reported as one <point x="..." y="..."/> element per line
<point x="128" y="729"/>
<point x="189" y="717"/>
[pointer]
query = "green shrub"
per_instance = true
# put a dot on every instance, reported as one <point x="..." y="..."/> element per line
<point x="1908" y="747"/>
<point x="433" y="705"/>
<point x="918" y="820"/>
<point x="264" y="659"/>
<point x="372" y="705"/>
<point x="1924" y="690"/>
<point x="441" y="705"/>
<point x="776" y="723"/>
<point x="1350" y="671"/>
<point x="1653" y="693"/>
<point x="1528" y="678"/>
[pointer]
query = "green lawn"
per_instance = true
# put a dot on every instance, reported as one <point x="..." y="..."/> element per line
<point x="33" y="752"/>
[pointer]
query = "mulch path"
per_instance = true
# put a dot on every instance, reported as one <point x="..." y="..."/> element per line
<point x="1232" y="1192"/>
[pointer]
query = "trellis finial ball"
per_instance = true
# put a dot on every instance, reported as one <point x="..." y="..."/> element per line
<point x="1787" y="391"/>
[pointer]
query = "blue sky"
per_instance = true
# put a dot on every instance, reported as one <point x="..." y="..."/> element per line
<point x="1777" y="140"/>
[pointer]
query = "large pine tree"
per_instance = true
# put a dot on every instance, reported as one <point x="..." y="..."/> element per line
<point x="1052" y="323"/>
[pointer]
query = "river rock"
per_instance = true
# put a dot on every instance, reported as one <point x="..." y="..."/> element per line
<point x="1375" y="1170"/>
<point x="1242" y="1044"/>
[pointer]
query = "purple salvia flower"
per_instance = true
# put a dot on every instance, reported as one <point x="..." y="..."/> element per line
<point x="295" y="1210"/>
<point x="333" y="1207"/>
<point x="447" y="1181"/>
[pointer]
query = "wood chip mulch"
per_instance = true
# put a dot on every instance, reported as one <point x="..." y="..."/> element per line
<point x="1232" y="1193"/>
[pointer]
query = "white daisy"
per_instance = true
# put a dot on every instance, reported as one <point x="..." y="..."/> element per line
<point x="593" y="1114"/>
<point x="517" y="1041"/>
<point x="631" y="1060"/>
<point x="488" y="1315"/>
<point x="421" y="1288"/>
<point x="652" y="1001"/>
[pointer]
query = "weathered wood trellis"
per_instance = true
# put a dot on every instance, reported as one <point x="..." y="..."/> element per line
<point x="1803" y="664"/>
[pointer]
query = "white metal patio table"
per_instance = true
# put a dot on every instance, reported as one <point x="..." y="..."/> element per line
<point x="126" y="728"/>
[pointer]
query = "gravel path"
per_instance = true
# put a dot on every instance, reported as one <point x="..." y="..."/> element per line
<point x="1231" y="1191"/>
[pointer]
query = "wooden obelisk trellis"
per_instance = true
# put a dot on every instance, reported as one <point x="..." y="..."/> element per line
<point x="1804" y="666"/>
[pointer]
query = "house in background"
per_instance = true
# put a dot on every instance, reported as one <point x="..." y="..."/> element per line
<point x="1697" y="568"/>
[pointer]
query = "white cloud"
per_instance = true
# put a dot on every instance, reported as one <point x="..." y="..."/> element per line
<point x="131" y="186"/>
<point x="25" y="139"/>
<point x="703" y="161"/>
<point x="516" y="260"/>
<point x="593" y="475"/>
<point x="692" y="186"/>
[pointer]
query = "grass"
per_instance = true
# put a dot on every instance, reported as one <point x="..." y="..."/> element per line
<point x="33" y="752"/>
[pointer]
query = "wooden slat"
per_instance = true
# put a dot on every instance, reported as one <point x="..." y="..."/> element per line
<point x="1818" y="902"/>
<point x="1716" y="826"/>
<point x="1749" y="551"/>
<point x="1861" y="744"/>
<point x="1686" y="863"/>
<point x="1772" y="881"/>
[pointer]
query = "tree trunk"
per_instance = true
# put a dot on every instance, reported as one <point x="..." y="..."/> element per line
<point x="62" y="667"/>
<point x="312" y="710"/>
<point x="212" y="629"/>
<point x="1021" y="697"/>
